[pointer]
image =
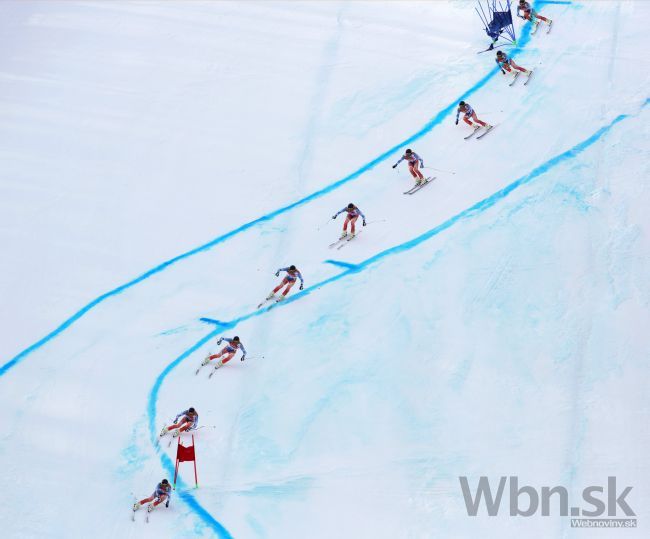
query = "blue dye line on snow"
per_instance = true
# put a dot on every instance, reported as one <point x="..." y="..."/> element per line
<point x="341" y="264"/>
<point x="215" y="322"/>
<point x="436" y="120"/>
<point x="468" y="213"/>
<point x="473" y="211"/>
<point x="167" y="464"/>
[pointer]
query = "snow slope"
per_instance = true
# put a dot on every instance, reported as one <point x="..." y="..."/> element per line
<point x="494" y="324"/>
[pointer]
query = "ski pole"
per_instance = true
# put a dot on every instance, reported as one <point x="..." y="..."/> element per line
<point x="440" y="170"/>
<point x="376" y="221"/>
<point x="325" y="223"/>
<point x="255" y="357"/>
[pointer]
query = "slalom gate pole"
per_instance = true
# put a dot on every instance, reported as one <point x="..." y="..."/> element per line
<point x="177" y="461"/>
<point x="196" y="477"/>
<point x="186" y="454"/>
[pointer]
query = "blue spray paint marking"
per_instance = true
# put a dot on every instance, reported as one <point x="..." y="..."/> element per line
<point x="468" y="213"/>
<point x="166" y="462"/>
<point x="223" y="325"/>
<point x="473" y="211"/>
<point x="341" y="264"/>
<point x="437" y="119"/>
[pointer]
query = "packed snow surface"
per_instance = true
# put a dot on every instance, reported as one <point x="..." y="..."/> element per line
<point x="161" y="160"/>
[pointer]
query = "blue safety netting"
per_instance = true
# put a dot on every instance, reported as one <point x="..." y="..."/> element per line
<point x="497" y="20"/>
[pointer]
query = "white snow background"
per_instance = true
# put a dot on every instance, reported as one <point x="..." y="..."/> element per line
<point x="160" y="160"/>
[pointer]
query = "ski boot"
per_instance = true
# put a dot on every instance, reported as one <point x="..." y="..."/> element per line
<point x="176" y="433"/>
<point x="205" y="361"/>
<point x="270" y="296"/>
<point x="344" y="235"/>
<point x="163" y="431"/>
<point x="150" y="507"/>
<point x="136" y="506"/>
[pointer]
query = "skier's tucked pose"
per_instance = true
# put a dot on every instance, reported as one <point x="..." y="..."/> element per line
<point x="227" y="352"/>
<point x="413" y="159"/>
<point x="289" y="280"/>
<point x="352" y="215"/>
<point x="530" y="14"/>
<point x="468" y="115"/>
<point x="161" y="494"/>
<point x="189" y="419"/>
<point x="505" y="64"/>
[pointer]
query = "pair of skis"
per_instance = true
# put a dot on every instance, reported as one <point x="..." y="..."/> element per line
<point x="548" y="31"/>
<point x="419" y="186"/>
<point x="343" y="241"/>
<point x="476" y="129"/>
<point x="147" y="513"/>
<point x="171" y="438"/>
<point x="514" y="79"/>
<point x="211" y="373"/>
<point x="269" y="299"/>
<point x="177" y="433"/>
<point x="146" y="518"/>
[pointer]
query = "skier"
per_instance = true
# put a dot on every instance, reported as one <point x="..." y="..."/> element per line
<point x="413" y="160"/>
<point x="289" y="280"/>
<point x="469" y="115"/>
<point x="352" y="215"/>
<point x="530" y="14"/>
<point x="161" y="494"/>
<point x="506" y="63"/>
<point x="228" y="352"/>
<point x="189" y="420"/>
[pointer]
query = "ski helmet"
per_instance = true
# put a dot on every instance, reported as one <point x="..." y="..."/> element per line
<point x="461" y="104"/>
<point x="522" y="1"/>
<point x="409" y="151"/>
<point x="165" y="482"/>
<point x="292" y="267"/>
<point x="350" y="205"/>
<point x="192" y="410"/>
<point x="499" y="53"/>
<point x="235" y="338"/>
